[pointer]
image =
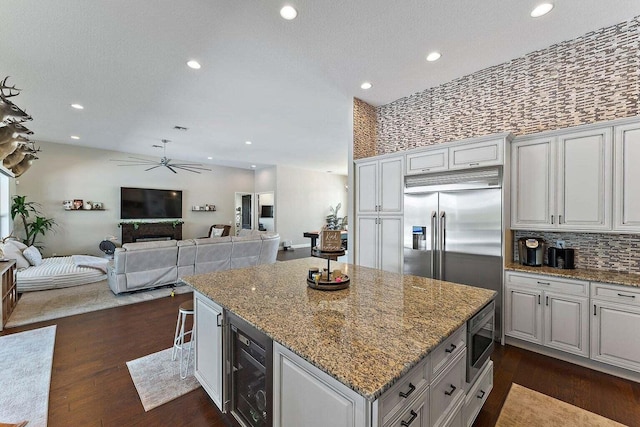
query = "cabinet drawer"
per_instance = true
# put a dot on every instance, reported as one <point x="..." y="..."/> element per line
<point x="476" y="155"/>
<point x="478" y="394"/>
<point x="446" y="351"/>
<point x="447" y="390"/>
<point x="401" y="395"/>
<point x="414" y="415"/>
<point x="566" y="286"/>
<point x="619" y="294"/>
<point x="430" y="161"/>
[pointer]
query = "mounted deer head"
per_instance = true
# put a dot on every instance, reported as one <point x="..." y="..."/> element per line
<point x="9" y="109"/>
<point x="12" y="129"/>
<point x="19" y="154"/>
<point x="25" y="164"/>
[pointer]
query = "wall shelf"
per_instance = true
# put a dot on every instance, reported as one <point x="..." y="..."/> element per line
<point x="205" y="208"/>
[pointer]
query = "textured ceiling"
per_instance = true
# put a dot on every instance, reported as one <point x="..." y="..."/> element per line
<point x="285" y="85"/>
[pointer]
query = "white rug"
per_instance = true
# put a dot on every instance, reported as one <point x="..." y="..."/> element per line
<point x="26" y="359"/>
<point x="51" y="304"/>
<point x="157" y="378"/>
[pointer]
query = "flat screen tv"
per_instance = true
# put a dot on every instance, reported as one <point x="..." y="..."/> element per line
<point x="266" y="211"/>
<point x="148" y="203"/>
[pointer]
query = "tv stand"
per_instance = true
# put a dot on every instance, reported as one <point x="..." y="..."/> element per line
<point x="147" y="231"/>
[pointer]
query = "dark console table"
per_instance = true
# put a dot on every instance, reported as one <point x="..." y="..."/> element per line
<point x="149" y="231"/>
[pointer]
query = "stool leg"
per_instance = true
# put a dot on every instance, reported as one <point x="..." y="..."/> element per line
<point x="192" y="342"/>
<point x="175" y="338"/>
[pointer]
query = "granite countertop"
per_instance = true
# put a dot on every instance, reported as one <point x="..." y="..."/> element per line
<point x="366" y="336"/>
<point x="605" y="276"/>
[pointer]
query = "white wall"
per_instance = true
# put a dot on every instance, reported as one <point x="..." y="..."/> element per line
<point x="69" y="172"/>
<point x="303" y="199"/>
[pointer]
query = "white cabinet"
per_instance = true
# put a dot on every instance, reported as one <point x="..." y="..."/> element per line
<point x="458" y="155"/>
<point x="379" y="242"/>
<point x="626" y="199"/>
<point x="563" y="181"/>
<point x="379" y="186"/>
<point x="548" y="311"/>
<point x="416" y="414"/>
<point x="478" y="395"/>
<point x="615" y="325"/>
<point x="429" y="161"/>
<point x="447" y="392"/>
<point x="303" y="395"/>
<point x="477" y="154"/>
<point x="208" y="348"/>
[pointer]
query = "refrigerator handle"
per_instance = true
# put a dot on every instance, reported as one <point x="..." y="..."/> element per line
<point x="434" y="216"/>
<point x="443" y="230"/>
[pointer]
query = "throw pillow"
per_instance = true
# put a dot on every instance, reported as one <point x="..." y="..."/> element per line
<point x="217" y="232"/>
<point x="12" y="252"/>
<point x="32" y="254"/>
<point x="18" y="244"/>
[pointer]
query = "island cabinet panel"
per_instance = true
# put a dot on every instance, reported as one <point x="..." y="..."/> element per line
<point x="416" y="414"/>
<point x="447" y="392"/>
<point x="208" y="348"/>
<point x="306" y="396"/>
<point x="478" y="395"/>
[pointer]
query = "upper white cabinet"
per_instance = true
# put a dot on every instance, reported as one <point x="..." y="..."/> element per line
<point x="626" y="200"/>
<point x="477" y="154"/>
<point x="457" y="155"/>
<point x="563" y="181"/>
<point x="379" y="186"/>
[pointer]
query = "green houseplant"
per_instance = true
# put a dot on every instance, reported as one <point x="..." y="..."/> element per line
<point x="334" y="222"/>
<point x="33" y="221"/>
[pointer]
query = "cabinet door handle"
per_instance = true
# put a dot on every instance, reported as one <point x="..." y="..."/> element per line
<point x="546" y="301"/>
<point x="219" y="319"/>
<point x="538" y="299"/>
<point x="474" y="164"/>
<point x="414" y="415"/>
<point x="407" y="394"/>
<point x="450" y="392"/>
<point x="544" y="283"/>
<point x="559" y="219"/>
<point x="626" y="296"/>
<point x="451" y="348"/>
<point x="481" y="395"/>
<point x="594" y="310"/>
<point x="551" y="219"/>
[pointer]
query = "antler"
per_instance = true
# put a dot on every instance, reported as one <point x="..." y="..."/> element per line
<point x="3" y="86"/>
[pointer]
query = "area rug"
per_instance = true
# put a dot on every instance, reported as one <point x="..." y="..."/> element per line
<point x="525" y="407"/>
<point x="38" y="306"/>
<point x="25" y="375"/>
<point x="157" y="378"/>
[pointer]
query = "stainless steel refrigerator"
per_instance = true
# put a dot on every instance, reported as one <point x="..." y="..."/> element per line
<point x="453" y="230"/>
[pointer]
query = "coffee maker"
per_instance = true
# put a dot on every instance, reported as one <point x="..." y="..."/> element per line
<point x="561" y="257"/>
<point x="531" y="251"/>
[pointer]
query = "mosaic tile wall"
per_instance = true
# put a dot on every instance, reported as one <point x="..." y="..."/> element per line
<point x="589" y="79"/>
<point x="615" y="252"/>
<point x="364" y="128"/>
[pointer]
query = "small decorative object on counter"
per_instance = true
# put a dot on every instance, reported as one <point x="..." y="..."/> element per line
<point x="331" y="241"/>
<point x="312" y="271"/>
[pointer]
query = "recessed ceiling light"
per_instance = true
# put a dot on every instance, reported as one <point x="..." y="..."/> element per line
<point x="77" y="106"/>
<point x="209" y="158"/>
<point x="541" y="9"/>
<point x="75" y="137"/>
<point x="248" y="142"/>
<point x="288" y="13"/>
<point x="253" y="166"/>
<point x="433" y="56"/>
<point x="366" y="85"/>
<point x="194" y="64"/>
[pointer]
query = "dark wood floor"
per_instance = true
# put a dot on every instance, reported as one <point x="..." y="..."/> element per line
<point x="91" y="386"/>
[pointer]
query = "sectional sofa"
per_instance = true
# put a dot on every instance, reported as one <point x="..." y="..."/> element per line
<point x="144" y="265"/>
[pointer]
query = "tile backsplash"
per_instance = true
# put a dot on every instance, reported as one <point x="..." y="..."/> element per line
<point x="615" y="252"/>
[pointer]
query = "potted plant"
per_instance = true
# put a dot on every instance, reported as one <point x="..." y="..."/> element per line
<point x="32" y="227"/>
<point x="334" y="222"/>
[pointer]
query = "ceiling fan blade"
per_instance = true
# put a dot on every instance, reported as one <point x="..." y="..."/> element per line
<point x="186" y="169"/>
<point x="136" y="160"/>
<point x="169" y="167"/>
<point x="152" y="167"/>
<point x="191" y="165"/>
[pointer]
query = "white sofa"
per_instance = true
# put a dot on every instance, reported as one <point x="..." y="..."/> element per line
<point x="150" y="264"/>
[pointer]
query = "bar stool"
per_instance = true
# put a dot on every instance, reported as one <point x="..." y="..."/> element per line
<point x="186" y="309"/>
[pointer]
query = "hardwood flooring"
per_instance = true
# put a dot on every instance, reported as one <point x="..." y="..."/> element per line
<point x="91" y="386"/>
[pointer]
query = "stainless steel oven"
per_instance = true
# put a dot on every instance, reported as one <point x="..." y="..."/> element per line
<point x="480" y="333"/>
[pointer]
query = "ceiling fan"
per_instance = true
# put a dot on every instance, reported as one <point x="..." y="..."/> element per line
<point x="164" y="161"/>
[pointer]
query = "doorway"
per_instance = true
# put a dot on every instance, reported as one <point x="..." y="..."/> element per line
<point x="244" y="211"/>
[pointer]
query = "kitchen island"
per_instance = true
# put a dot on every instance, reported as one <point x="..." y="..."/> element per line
<point x="366" y="337"/>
